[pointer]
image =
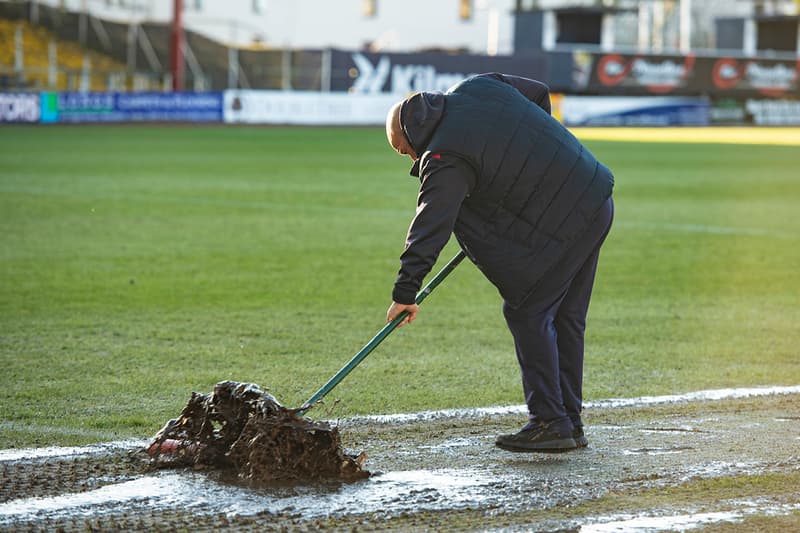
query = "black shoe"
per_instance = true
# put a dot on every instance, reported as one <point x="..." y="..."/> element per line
<point x="580" y="439"/>
<point x="539" y="438"/>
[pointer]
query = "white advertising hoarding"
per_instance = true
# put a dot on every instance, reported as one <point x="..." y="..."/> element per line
<point x="349" y="109"/>
<point x="19" y="107"/>
<point x="306" y="108"/>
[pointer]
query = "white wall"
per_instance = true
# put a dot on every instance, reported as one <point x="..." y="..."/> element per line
<point x="399" y="25"/>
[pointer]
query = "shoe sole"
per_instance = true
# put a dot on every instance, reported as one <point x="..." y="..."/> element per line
<point x="553" y="446"/>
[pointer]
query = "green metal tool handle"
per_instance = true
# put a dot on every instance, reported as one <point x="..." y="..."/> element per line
<point x="382" y="334"/>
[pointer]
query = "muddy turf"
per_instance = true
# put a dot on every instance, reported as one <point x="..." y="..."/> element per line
<point x="717" y="465"/>
<point x="241" y="428"/>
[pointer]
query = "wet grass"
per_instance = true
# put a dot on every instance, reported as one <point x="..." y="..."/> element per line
<point x="702" y="495"/>
<point x="752" y="524"/>
<point x="138" y="264"/>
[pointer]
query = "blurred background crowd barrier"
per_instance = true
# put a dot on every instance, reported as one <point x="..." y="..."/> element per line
<point x="608" y="63"/>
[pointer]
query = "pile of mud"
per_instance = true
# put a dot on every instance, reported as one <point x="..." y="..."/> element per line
<point x="240" y="426"/>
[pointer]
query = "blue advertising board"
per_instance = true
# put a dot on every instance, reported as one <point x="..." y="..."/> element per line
<point x="72" y="107"/>
<point x="634" y="111"/>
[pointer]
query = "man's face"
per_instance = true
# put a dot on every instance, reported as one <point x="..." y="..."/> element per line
<point x="400" y="144"/>
<point x="394" y="132"/>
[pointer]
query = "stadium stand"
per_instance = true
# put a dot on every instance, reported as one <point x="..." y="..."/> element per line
<point x="75" y="67"/>
<point x="146" y="63"/>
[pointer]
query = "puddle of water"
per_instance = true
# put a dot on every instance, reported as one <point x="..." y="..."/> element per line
<point x="450" y="444"/>
<point x="160" y="488"/>
<point x="720" y="468"/>
<point x="683" y="522"/>
<point x="656" y="451"/>
<point x="389" y="493"/>
<point x="660" y="523"/>
<point x="671" y="430"/>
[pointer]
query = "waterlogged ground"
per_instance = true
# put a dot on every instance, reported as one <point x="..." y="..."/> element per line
<point x="726" y="463"/>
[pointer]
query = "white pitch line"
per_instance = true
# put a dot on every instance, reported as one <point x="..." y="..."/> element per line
<point x="423" y="416"/>
<point x="56" y="452"/>
<point x="480" y="412"/>
<point x="73" y="432"/>
<point x="697" y="396"/>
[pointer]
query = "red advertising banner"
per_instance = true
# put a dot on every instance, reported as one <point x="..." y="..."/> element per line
<point x="764" y="76"/>
<point x="635" y="74"/>
<point x="619" y="74"/>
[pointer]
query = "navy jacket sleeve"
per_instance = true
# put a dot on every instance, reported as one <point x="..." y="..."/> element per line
<point x="535" y="91"/>
<point x="445" y="182"/>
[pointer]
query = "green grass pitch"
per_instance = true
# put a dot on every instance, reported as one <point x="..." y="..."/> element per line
<point x="140" y="263"/>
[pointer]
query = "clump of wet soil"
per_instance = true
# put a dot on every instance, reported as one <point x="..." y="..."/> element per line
<point x="239" y="426"/>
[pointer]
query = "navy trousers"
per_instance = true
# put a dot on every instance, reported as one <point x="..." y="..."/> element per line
<point x="548" y="330"/>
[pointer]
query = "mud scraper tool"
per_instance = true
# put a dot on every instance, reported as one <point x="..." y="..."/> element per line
<point x="382" y="334"/>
